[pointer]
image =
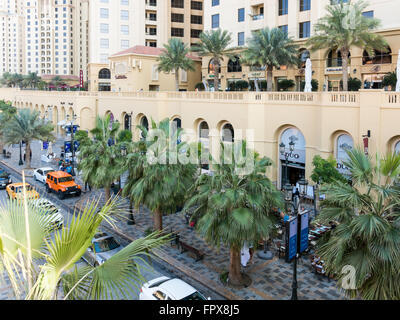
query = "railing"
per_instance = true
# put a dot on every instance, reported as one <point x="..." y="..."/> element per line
<point x="344" y="97"/>
<point x="392" y="98"/>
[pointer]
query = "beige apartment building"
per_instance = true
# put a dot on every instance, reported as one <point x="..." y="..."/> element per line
<point x="297" y="18"/>
<point x="318" y="123"/>
<point x="119" y="25"/>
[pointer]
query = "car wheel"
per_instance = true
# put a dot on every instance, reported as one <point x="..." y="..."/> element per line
<point x="60" y="195"/>
<point x="48" y="188"/>
<point x="78" y="194"/>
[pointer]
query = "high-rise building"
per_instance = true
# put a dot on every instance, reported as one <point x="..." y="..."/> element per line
<point x="298" y="18"/>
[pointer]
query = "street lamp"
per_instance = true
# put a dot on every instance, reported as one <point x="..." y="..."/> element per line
<point x="73" y="118"/>
<point x="20" y="154"/>
<point x="131" y="219"/>
<point x="282" y="151"/>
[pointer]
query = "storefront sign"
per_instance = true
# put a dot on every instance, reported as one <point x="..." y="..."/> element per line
<point x="120" y="77"/>
<point x="294" y="136"/>
<point x="365" y="140"/>
<point x="81" y="79"/>
<point x="296" y="155"/>
<point x="335" y="70"/>
<point x="256" y="74"/>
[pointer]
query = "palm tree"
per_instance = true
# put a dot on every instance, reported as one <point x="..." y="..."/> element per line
<point x="156" y="180"/>
<point x="41" y="266"/>
<point x="100" y="159"/>
<point x="175" y="58"/>
<point x="7" y="112"/>
<point x="233" y="207"/>
<point x="215" y="43"/>
<point x="367" y="237"/>
<point x="270" y="48"/>
<point x="57" y="81"/>
<point x="5" y="80"/>
<point x="32" y="79"/>
<point x="15" y="80"/>
<point x="27" y="126"/>
<point x="343" y="27"/>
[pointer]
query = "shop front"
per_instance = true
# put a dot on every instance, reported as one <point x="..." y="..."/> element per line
<point x="256" y="78"/>
<point x="292" y="156"/>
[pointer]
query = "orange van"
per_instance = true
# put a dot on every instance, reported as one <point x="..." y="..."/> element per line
<point x="62" y="184"/>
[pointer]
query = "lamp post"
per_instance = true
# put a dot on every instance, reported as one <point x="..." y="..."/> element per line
<point x="282" y="151"/>
<point x="20" y="154"/>
<point x="131" y="219"/>
<point x="73" y="118"/>
<point x="303" y="183"/>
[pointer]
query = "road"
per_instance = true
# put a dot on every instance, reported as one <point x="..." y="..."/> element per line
<point x="159" y="267"/>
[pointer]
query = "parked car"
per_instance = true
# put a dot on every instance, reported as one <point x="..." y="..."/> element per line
<point x="5" y="179"/>
<point x="62" y="184"/>
<point x="15" y="191"/>
<point x="41" y="174"/>
<point x="164" y="288"/>
<point x="51" y="209"/>
<point x="103" y="247"/>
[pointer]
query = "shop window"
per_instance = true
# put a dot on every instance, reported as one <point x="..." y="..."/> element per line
<point x="335" y="59"/>
<point x="380" y="57"/>
<point x="234" y="66"/>
<point x="211" y="67"/>
<point x="104" y="74"/>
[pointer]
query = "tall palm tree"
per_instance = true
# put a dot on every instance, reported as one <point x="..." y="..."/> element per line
<point x="270" y="48"/>
<point x="5" y="80"/>
<point x="215" y="44"/>
<point x="174" y="58"/>
<point x="232" y="208"/>
<point x="368" y="235"/>
<point x="15" y="80"/>
<point x="40" y="266"/>
<point x="32" y="79"/>
<point x="344" y="27"/>
<point x="27" y="126"/>
<point x="7" y="112"/>
<point x="100" y="159"/>
<point x="157" y="181"/>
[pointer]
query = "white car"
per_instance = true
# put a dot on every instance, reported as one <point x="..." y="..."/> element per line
<point x="41" y="174"/>
<point x="50" y="208"/>
<point x="164" y="288"/>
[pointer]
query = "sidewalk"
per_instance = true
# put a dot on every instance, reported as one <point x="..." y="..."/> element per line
<point x="272" y="279"/>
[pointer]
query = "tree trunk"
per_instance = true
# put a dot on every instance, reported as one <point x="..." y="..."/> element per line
<point x="235" y="277"/>
<point x="28" y="154"/>
<point x="157" y="216"/>
<point x="345" y="64"/>
<point x="269" y="78"/>
<point x="107" y="194"/>
<point x="177" y="79"/>
<point x="216" y="75"/>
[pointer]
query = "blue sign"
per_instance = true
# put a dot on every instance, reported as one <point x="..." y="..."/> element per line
<point x="68" y="128"/>
<point x="292" y="239"/>
<point x="303" y="231"/>
<point x="45" y="145"/>
<point x="67" y="146"/>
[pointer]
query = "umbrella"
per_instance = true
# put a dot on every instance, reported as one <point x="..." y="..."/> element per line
<point x="398" y="73"/>
<point x="308" y="86"/>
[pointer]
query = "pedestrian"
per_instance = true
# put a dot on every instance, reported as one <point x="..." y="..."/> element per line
<point x="296" y="194"/>
<point x="251" y="253"/>
<point x="87" y="185"/>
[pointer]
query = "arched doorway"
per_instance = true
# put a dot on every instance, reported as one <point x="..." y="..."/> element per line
<point x="397" y="147"/>
<point x="104" y="79"/>
<point x="144" y="123"/>
<point x="204" y="139"/>
<point x="128" y="121"/>
<point x="344" y="143"/>
<point x="292" y="152"/>
<point x="227" y="133"/>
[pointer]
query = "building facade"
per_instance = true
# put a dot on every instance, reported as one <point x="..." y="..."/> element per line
<point x="318" y="123"/>
<point x="298" y="18"/>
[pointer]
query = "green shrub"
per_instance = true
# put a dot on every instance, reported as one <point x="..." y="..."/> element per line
<point x="314" y="85"/>
<point x="285" y="84"/>
<point x="390" y="79"/>
<point x="354" y="84"/>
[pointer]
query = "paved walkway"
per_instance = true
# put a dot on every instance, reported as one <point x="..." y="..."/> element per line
<point x="272" y="279"/>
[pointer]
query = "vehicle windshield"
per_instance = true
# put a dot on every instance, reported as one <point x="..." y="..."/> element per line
<point x="3" y="175"/>
<point x="20" y="189"/>
<point x="65" y="179"/>
<point x="195" y="296"/>
<point x="105" y="245"/>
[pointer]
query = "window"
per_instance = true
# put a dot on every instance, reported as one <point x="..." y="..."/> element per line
<point x="104" y="43"/>
<point x="104" y="13"/>
<point x="379" y="57"/>
<point x="177" y="4"/>
<point x="124" y="44"/>
<point x="241" y="39"/>
<point x="125" y="2"/>
<point x="177" y="32"/>
<point x="125" y="30"/>
<point x="284" y="29"/>
<point x="215" y="21"/>
<point x="154" y="74"/>
<point x="124" y="15"/>
<point x="177" y="17"/>
<point x="196" y="19"/>
<point x="305" y="5"/>
<point x="103" y="28"/>
<point x="196" y="5"/>
<point x="195" y="33"/>
<point x="368" y="14"/>
<point x="283" y="7"/>
<point x="241" y="15"/>
<point x="215" y="3"/>
<point x="339" y="1"/>
<point x="234" y="66"/>
<point x="304" y="30"/>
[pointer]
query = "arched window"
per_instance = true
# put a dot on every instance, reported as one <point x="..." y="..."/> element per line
<point x="234" y="66"/>
<point x="397" y="147"/>
<point x="228" y="134"/>
<point x="203" y="130"/>
<point x="104" y="74"/>
<point x="380" y="57"/>
<point x="144" y="122"/>
<point x="335" y="59"/>
<point x="212" y="66"/>
<point x="127" y="122"/>
<point x="178" y="122"/>
<point x="303" y="56"/>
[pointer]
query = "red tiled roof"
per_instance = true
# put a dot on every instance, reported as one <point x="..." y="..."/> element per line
<point x="148" y="51"/>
